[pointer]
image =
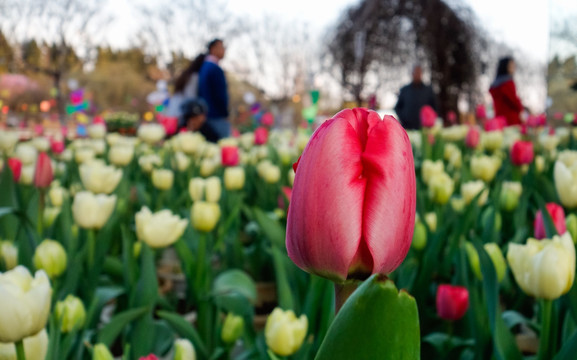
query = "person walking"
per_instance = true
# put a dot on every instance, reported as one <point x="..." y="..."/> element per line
<point x="212" y="87"/>
<point x="412" y="98"/>
<point x="185" y="87"/>
<point x="504" y="93"/>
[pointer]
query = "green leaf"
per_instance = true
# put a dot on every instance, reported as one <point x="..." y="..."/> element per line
<point x="443" y="342"/>
<point x="102" y="296"/>
<point x="147" y="286"/>
<point x="6" y="211"/>
<point x="569" y="349"/>
<point x="285" y="295"/>
<point x="184" y="329"/>
<point x="110" y="331"/>
<point x="235" y="281"/>
<point x="376" y="322"/>
<point x="272" y="229"/>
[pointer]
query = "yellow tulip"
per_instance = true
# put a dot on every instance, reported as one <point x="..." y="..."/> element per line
<point x="50" y="256"/>
<point x="9" y="254"/>
<point x="234" y="178"/>
<point x="121" y="155"/>
<point x="284" y="332"/>
<point x="99" y="178"/>
<point x="213" y="189"/>
<point x="162" y="179"/>
<point x="92" y="211"/>
<point x="431" y="168"/>
<point x="151" y="133"/>
<point x="159" y="229"/>
<point x="71" y="314"/>
<point x="184" y="350"/>
<point x="204" y="215"/>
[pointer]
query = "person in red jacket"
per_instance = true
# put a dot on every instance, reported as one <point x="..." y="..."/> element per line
<point x="504" y="93"/>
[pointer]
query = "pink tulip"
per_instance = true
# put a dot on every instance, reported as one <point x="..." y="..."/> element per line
<point x="452" y="117"/>
<point x="229" y="156"/>
<point x="495" y="124"/>
<point x="235" y="133"/>
<point x="452" y="302"/>
<point x="522" y="153"/>
<point x="285" y="198"/>
<point x="38" y="129"/>
<point x="15" y="166"/>
<point x="352" y="208"/>
<point x="148" y="357"/>
<point x="481" y="112"/>
<point x="169" y="123"/>
<point x="267" y="119"/>
<point x="57" y="146"/>
<point x="557" y="214"/>
<point x="472" y="138"/>
<point x="43" y="172"/>
<point x="260" y="136"/>
<point x="428" y="116"/>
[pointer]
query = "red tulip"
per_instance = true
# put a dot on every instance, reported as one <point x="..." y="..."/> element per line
<point x="558" y="216"/>
<point x="169" y="123"/>
<point x="352" y="208"/>
<point x="16" y="167"/>
<point x="38" y="129"/>
<point x="428" y="116"/>
<point x="481" y="112"/>
<point x="43" y="173"/>
<point x="452" y="302"/>
<point x="473" y="136"/>
<point x="452" y="117"/>
<point x="522" y="153"/>
<point x="57" y="146"/>
<point x="235" y="133"/>
<point x="229" y="155"/>
<point x="267" y="119"/>
<point x="148" y="357"/>
<point x="260" y="136"/>
<point x="495" y="124"/>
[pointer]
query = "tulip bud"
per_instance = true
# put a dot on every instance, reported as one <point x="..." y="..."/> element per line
<point x="207" y="167"/>
<point x="234" y="178"/>
<point x="27" y="175"/>
<point x="101" y="352"/>
<point x="56" y="195"/>
<point x="25" y="303"/>
<point x="510" y="194"/>
<point x="184" y="350"/>
<point x="441" y="187"/>
<point x="571" y="222"/>
<point x="472" y="138"/>
<point x="204" y="215"/>
<point x="8" y="139"/>
<point x="182" y="161"/>
<point x="522" y="153"/>
<point x="260" y="136"/>
<point x="557" y="215"/>
<point x="84" y="155"/>
<point x="49" y="215"/>
<point x="51" y="257"/>
<point x="431" y="220"/>
<point x="430" y="169"/>
<point x="35" y="347"/>
<point x="291" y="177"/>
<point x="151" y="133"/>
<point x="160" y="229"/>
<point x="284" y="332"/>
<point x="162" y="179"/>
<point x="229" y="156"/>
<point x="492" y="140"/>
<point x="232" y="328"/>
<point x="268" y="172"/>
<point x="70" y="313"/>
<point x="148" y="162"/>
<point x="15" y="166"/>
<point x="99" y="178"/>
<point x="471" y="189"/>
<point x="485" y="167"/>
<point x="196" y="188"/>
<point x="565" y="175"/>
<point x="213" y="189"/>
<point x="544" y="268"/>
<point x="92" y="211"/>
<point x="428" y="116"/>
<point x="121" y="155"/>
<point x="96" y="131"/>
<point x="494" y="253"/>
<point x="419" y="236"/>
<point x="458" y="204"/>
<point x="26" y="153"/>
<point x="9" y="254"/>
<point x="452" y="302"/>
<point x="43" y="173"/>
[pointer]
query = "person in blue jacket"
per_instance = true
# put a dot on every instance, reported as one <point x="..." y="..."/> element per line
<point x="213" y="89"/>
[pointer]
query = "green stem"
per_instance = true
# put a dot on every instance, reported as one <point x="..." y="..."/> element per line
<point x="342" y="293"/>
<point x="91" y="248"/>
<point x="545" y="341"/>
<point x="20" y="354"/>
<point x="201" y="271"/>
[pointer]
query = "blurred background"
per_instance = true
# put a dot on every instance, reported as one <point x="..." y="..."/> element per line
<point x="298" y="58"/>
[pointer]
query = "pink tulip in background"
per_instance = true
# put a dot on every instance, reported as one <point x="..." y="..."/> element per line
<point x="452" y="117"/>
<point x="229" y="156"/>
<point x="496" y="124"/>
<point x="452" y="302"/>
<point x="16" y="167"/>
<point x="522" y="153"/>
<point x="267" y="119"/>
<point x="43" y="174"/>
<point x="169" y="123"/>
<point x="57" y="146"/>
<point x="472" y="138"/>
<point x="557" y="214"/>
<point x="352" y="208"/>
<point x="260" y="136"/>
<point x="481" y="112"/>
<point x="428" y="116"/>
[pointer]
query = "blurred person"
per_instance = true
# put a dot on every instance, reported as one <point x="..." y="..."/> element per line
<point x="185" y="86"/>
<point x="505" y="99"/>
<point x="412" y="98"/>
<point x="193" y="118"/>
<point x="212" y="88"/>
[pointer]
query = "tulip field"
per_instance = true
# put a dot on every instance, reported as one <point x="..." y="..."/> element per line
<point x="355" y="241"/>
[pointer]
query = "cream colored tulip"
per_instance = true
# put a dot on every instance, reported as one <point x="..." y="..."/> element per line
<point x="56" y="195"/>
<point x="430" y="168"/>
<point x="98" y="145"/>
<point x="159" y="229"/>
<point x="96" y="131"/>
<point x="181" y="161"/>
<point x="212" y="189"/>
<point x="99" y="178"/>
<point x="190" y="143"/>
<point x="510" y="194"/>
<point x="101" y="352"/>
<point x="71" y="314"/>
<point x="184" y="350"/>
<point x="26" y="153"/>
<point x="65" y="155"/>
<point x="50" y="256"/>
<point x="234" y="178"/>
<point x="208" y="167"/>
<point x="162" y="179"/>
<point x="121" y="155"/>
<point x="26" y="303"/>
<point x="92" y="211"/>
<point x="41" y="144"/>
<point x="35" y="347"/>
<point x="441" y="187"/>
<point x="196" y="188"/>
<point x="496" y="255"/>
<point x="229" y="141"/>
<point x="544" y="268"/>
<point x="284" y="332"/>
<point x="247" y="140"/>
<point x="492" y="140"/>
<point x="454" y="133"/>
<point x="471" y="189"/>
<point x="204" y="215"/>
<point x="84" y="155"/>
<point x="151" y="133"/>
<point x="9" y="254"/>
<point x="27" y="174"/>
<point x="431" y="220"/>
<point x="485" y="167"/>
<point x="148" y="162"/>
<point x="8" y="139"/>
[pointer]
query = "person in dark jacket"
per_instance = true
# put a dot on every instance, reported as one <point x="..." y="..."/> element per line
<point x="193" y="118"/>
<point x="212" y="88"/>
<point x="505" y="99"/>
<point x="412" y="98"/>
